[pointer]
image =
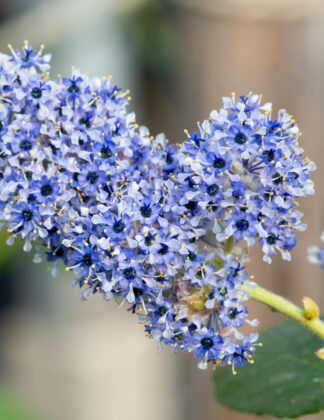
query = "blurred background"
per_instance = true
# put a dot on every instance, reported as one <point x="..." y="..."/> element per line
<point x="63" y="360"/>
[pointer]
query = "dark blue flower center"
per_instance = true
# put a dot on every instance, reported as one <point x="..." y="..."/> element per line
<point x="163" y="250"/>
<point x="25" y="145"/>
<point x="276" y="178"/>
<point x="159" y="277"/>
<point x="87" y="260"/>
<point x="73" y="88"/>
<point x="146" y="211"/>
<point x="86" y="121"/>
<point x="106" y="153"/>
<point x="59" y="252"/>
<point x="207" y="342"/>
<point x="240" y="138"/>
<point x="137" y="291"/>
<point x="212" y="190"/>
<point x="36" y="93"/>
<point x="270" y="154"/>
<point x="178" y="334"/>
<point x="169" y="159"/>
<point x="271" y="239"/>
<point x="260" y="217"/>
<point x="219" y="163"/>
<point x="29" y="175"/>
<point x="129" y="273"/>
<point x="92" y="177"/>
<point x="222" y="291"/>
<point x="268" y="195"/>
<point x="27" y="215"/>
<point x="46" y="190"/>
<point x="118" y="226"/>
<point x="242" y="224"/>
<point x="191" y="183"/>
<point x="201" y="272"/>
<point x="162" y="310"/>
<point x="149" y="240"/>
<point x="191" y="205"/>
<point x="232" y="313"/>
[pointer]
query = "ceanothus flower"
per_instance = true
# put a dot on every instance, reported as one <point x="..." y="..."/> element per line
<point x="241" y="175"/>
<point x="152" y="226"/>
<point x="27" y="57"/>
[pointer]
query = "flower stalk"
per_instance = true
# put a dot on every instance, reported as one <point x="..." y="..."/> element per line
<point x="285" y="307"/>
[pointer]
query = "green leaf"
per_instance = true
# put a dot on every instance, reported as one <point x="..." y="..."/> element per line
<point x="286" y="379"/>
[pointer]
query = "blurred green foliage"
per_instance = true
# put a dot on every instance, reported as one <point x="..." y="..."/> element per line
<point x="13" y="409"/>
<point x="151" y="29"/>
<point x="7" y="253"/>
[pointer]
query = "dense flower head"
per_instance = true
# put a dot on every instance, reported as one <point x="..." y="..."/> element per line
<point x="241" y="174"/>
<point x="146" y="224"/>
<point x="316" y="253"/>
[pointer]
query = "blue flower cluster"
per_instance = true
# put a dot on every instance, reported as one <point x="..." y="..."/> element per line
<point x="142" y="222"/>
<point x="242" y="173"/>
<point x="316" y="254"/>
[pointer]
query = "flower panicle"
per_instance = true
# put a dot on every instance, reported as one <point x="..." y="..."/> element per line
<point x="153" y="226"/>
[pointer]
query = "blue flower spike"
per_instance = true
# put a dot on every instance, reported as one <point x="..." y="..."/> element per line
<point x="161" y="229"/>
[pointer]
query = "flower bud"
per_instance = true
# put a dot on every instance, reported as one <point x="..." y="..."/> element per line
<point x="320" y="353"/>
<point x="311" y="309"/>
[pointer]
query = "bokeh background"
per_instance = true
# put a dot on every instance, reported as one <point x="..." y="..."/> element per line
<point x="65" y="360"/>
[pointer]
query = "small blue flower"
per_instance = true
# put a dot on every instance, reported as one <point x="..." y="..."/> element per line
<point x="28" y="57"/>
<point x="207" y="345"/>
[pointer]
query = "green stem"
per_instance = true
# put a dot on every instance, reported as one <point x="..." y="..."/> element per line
<point x="283" y="306"/>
